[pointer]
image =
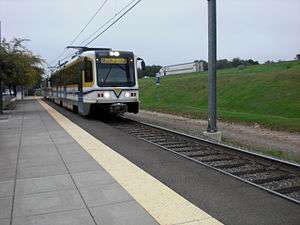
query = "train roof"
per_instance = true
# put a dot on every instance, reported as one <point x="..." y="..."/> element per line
<point x="90" y="52"/>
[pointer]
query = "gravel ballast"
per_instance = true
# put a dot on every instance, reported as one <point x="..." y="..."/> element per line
<point x="246" y="137"/>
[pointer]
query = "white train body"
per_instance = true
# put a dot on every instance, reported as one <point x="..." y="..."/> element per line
<point x="99" y="79"/>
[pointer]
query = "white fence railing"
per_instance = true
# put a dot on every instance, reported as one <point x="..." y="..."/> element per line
<point x="196" y="66"/>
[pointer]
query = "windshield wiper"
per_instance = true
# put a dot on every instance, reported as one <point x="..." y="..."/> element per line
<point x="122" y="68"/>
<point x="107" y="75"/>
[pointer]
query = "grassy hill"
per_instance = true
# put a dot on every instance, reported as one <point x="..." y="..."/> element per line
<point x="265" y="94"/>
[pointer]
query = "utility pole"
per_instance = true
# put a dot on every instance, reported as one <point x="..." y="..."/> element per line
<point x="212" y="58"/>
<point x="1" y="97"/>
<point x="212" y="130"/>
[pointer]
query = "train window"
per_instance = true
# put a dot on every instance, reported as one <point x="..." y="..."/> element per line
<point x="76" y="74"/>
<point x="88" y="77"/>
<point x="71" y="74"/>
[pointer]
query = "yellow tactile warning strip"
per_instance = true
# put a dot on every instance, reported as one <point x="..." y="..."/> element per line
<point x="161" y="202"/>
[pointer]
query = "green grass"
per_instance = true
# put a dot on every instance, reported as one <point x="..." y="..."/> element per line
<point x="280" y="154"/>
<point x="265" y="94"/>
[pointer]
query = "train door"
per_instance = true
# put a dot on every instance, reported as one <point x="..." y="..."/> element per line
<point x="86" y="81"/>
<point x="80" y="88"/>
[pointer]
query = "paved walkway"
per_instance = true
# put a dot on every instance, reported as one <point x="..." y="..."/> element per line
<point x="47" y="178"/>
<point x="223" y="197"/>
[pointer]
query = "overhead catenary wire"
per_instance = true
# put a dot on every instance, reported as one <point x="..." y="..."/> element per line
<point x="91" y="19"/>
<point x="58" y="57"/>
<point x="108" y="21"/>
<point x="119" y="18"/>
<point x="81" y="31"/>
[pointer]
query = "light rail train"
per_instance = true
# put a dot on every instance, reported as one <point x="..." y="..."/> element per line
<point x="97" y="79"/>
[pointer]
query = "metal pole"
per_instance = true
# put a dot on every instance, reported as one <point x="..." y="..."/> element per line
<point x="1" y="97"/>
<point x="212" y="58"/>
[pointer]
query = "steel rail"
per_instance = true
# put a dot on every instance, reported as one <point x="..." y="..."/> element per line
<point x="266" y="161"/>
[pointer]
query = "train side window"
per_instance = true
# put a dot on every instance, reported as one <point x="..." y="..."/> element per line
<point x="88" y="77"/>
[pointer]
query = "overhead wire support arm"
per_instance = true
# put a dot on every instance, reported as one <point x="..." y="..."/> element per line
<point x="84" y="49"/>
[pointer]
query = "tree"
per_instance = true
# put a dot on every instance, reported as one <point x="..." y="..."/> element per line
<point x="235" y="62"/>
<point x="19" y="66"/>
<point x="269" y="62"/>
<point x="149" y="71"/>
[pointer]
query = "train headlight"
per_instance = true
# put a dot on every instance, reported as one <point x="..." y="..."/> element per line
<point x="114" y="53"/>
<point x="106" y="95"/>
<point x="127" y="94"/>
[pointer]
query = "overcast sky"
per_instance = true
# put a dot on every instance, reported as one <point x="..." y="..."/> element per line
<point x="161" y="31"/>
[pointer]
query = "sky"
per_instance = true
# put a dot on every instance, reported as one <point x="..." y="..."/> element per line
<point x="162" y="32"/>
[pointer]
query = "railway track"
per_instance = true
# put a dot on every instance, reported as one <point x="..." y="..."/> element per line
<point x="273" y="175"/>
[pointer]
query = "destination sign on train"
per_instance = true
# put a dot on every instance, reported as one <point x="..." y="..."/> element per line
<point x="113" y="60"/>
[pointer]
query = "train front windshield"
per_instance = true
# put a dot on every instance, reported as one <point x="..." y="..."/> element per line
<point x="115" y="72"/>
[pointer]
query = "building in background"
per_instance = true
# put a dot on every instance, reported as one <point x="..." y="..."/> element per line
<point x="196" y="66"/>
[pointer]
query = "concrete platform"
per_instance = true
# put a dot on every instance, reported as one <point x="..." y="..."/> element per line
<point x="47" y="178"/>
<point x="226" y="199"/>
<point x="59" y="171"/>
